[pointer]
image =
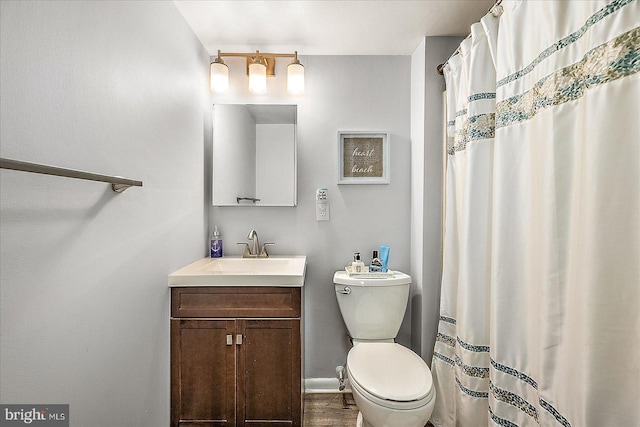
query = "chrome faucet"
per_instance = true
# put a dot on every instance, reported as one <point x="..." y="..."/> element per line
<point x="252" y="252"/>
<point x="253" y="235"/>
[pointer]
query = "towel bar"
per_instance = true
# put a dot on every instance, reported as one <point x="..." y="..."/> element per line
<point x="118" y="184"/>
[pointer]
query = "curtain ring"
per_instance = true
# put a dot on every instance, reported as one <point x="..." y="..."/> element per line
<point x="497" y="10"/>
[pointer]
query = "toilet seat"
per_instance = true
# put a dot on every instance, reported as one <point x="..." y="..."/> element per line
<point x="390" y="375"/>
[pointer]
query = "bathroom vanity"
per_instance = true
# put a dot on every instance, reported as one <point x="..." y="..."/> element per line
<point x="236" y="350"/>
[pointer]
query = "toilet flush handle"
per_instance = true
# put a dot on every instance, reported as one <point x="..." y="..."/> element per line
<point x="345" y="291"/>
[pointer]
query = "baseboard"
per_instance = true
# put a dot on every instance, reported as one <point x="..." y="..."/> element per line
<point x="324" y="385"/>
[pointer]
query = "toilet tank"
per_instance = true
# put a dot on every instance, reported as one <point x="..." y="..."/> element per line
<point x="372" y="309"/>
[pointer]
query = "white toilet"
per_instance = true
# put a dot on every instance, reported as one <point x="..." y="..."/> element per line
<point x="391" y="385"/>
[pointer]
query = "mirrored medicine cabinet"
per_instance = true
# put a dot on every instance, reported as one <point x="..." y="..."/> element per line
<point x="254" y="155"/>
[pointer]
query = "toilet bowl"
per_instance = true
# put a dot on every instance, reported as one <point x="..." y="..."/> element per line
<point x="391" y="385"/>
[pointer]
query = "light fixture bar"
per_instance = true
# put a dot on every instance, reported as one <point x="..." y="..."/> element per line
<point x="254" y="62"/>
<point x="269" y="59"/>
<point x="251" y="55"/>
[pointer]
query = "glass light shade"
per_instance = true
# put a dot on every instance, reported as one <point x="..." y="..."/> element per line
<point x="257" y="78"/>
<point x="295" y="79"/>
<point x="219" y="77"/>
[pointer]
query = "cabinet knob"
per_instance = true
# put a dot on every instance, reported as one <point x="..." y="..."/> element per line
<point x="239" y="339"/>
<point x="229" y="339"/>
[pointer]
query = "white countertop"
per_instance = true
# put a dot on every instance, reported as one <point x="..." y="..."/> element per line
<point x="238" y="271"/>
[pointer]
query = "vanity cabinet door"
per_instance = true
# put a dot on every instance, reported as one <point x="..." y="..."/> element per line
<point x="203" y="369"/>
<point x="269" y="373"/>
<point x="236" y="357"/>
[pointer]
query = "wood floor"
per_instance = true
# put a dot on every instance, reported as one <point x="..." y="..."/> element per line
<point x="329" y="410"/>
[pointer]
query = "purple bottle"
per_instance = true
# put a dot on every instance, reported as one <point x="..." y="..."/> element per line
<point x="216" y="244"/>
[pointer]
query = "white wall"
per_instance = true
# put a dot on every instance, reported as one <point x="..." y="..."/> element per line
<point x="115" y="88"/>
<point x="275" y="149"/>
<point x="418" y="107"/>
<point x="240" y="157"/>
<point x="342" y="93"/>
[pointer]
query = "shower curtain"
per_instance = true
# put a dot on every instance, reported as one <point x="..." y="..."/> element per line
<point x="540" y="302"/>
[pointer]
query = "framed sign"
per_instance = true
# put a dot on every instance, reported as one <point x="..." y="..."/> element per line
<point x="363" y="157"/>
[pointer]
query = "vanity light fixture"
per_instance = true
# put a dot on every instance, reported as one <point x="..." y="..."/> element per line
<point x="295" y="76"/>
<point x="259" y="67"/>
<point x="219" y="75"/>
<point x="257" y="75"/>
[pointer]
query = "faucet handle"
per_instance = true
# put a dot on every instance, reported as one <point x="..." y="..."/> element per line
<point x="246" y="253"/>
<point x="264" y="252"/>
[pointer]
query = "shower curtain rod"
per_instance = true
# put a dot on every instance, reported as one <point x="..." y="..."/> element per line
<point x="495" y="10"/>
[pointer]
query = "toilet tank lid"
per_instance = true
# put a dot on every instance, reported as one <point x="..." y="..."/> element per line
<point x="341" y="277"/>
<point x="389" y="371"/>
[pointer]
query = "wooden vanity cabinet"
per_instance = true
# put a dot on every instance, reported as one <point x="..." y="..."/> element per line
<point x="236" y="356"/>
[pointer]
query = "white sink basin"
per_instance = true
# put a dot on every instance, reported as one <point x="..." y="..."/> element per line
<point x="236" y="271"/>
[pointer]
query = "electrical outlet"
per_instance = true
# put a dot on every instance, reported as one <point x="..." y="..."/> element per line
<point x="322" y="205"/>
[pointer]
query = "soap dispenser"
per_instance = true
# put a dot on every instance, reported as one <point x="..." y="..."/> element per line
<point x="216" y="243"/>
<point x="357" y="265"/>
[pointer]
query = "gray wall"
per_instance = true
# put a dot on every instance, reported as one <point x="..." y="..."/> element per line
<point x="342" y="93"/>
<point x="115" y="88"/>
